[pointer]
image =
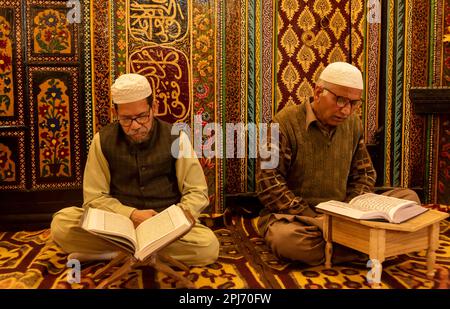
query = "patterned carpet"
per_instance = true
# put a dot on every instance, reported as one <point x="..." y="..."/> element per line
<point x="29" y="260"/>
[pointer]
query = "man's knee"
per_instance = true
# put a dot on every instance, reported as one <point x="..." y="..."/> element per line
<point x="308" y="252"/>
<point x="305" y="247"/>
<point x="210" y="253"/>
<point x="199" y="247"/>
<point x="62" y="225"/>
<point x="403" y="193"/>
<point x="58" y="229"/>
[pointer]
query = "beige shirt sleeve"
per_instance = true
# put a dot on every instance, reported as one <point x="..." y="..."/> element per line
<point x="191" y="179"/>
<point x="96" y="182"/>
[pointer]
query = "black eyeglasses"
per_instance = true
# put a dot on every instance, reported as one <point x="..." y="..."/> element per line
<point x="343" y="101"/>
<point x="142" y="119"/>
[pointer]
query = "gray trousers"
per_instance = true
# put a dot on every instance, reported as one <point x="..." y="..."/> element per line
<point x="198" y="247"/>
<point x="299" y="238"/>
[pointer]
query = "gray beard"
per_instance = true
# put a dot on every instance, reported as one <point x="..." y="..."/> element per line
<point x="134" y="142"/>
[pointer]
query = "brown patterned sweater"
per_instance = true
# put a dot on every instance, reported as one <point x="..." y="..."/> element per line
<point x="314" y="165"/>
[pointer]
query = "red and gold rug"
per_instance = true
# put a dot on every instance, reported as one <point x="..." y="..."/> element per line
<point x="29" y="260"/>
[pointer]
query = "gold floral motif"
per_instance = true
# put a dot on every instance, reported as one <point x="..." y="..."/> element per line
<point x="204" y="67"/>
<point x="203" y="43"/>
<point x="337" y="23"/>
<point x="290" y="76"/>
<point x="306" y="58"/>
<point x="306" y="20"/>
<point x="356" y="8"/>
<point x="322" y="7"/>
<point x="305" y="91"/>
<point x="356" y="42"/>
<point x="322" y="43"/>
<point x="289" y="102"/>
<point x="336" y="55"/>
<point x="290" y="41"/>
<point x="289" y="7"/>
<point x="318" y="71"/>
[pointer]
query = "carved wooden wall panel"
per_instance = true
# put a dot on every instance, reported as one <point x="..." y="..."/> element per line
<point x="42" y="132"/>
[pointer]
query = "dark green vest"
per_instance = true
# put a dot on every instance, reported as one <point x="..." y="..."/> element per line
<point x="320" y="166"/>
<point x="142" y="176"/>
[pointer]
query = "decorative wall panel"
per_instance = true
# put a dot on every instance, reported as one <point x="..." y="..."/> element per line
<point x="443" y="164"/>
<point x="267" y="69"/>
<point x="154" y="28"/>
<point x="174" y="44"/>
<point x="11" y="65"/>
<point x="6" y="65"/>
<point x="443" y="172"/>
<point x="235" y="112"/>
<point x="205" y="63"/>
<point x="119" y="47"/>
<point x="420" y="45"/>
<point x="42" y="108"/>
<point x="101" y="63"/>
<point x="395" y="95"/>
<point x="87" y="69"/>
<point x="55" y="157"/>
<point x="168" y="72"/>
<point x="50" y="37"/>
<point x="53" y="128"/>
<point x="158" y="22"/>
<point x="241" y="61"/>
<point x="372" y="79"/>
<point x="12" y="160"/>
<point x="216" y="174"/>
<point x="312" y="34"/>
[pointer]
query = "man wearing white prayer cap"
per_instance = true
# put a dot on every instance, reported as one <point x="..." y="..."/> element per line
<point x="130" y="170"/>
<point x="322" y="157"/>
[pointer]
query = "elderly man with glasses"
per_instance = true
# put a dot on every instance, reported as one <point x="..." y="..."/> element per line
<point x="131" y="170"/>
<point x="322" y="156"/>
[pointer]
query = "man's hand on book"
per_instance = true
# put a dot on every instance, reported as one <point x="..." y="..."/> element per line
<point x="139" y="216"/>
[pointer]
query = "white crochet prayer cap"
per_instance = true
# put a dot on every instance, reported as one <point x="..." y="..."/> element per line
<point x="129" y="88"/>
<point x="344" y="74"/>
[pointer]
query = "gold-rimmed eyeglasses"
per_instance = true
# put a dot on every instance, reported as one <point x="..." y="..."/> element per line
<point x="343" y="101"/>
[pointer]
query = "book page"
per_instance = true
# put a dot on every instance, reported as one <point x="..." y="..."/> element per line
<point x="108" y="223"/>
<point x="342" y="208"/>
<point x="350" y="211"/>
<point x="372" y="201"/>
<point x="160" y="230"/>
<point x="118" y="224"/>
<point x="154" y="229"/>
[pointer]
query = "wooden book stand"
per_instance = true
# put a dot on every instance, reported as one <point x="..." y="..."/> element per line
<point x="380" y="239"/>
<point x="158" y="261"/>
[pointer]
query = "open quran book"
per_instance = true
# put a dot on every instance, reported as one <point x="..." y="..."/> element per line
<point x="372" y="206"/>
<point x="149" y="237"/>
